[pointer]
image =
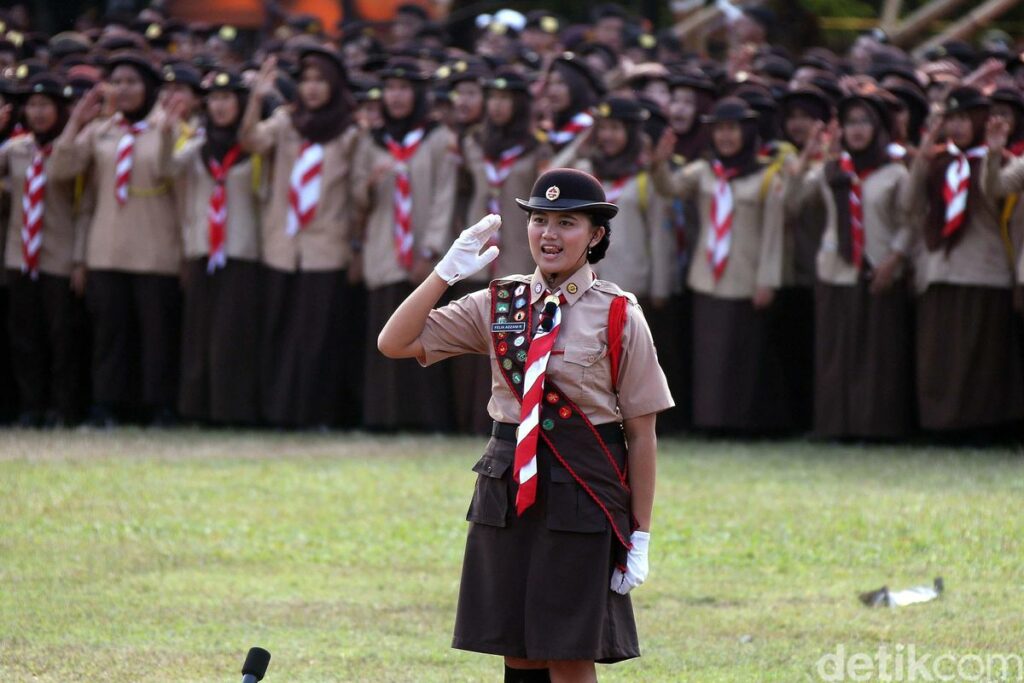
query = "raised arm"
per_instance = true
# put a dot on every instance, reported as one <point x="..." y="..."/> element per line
<point x="255" y="135"/>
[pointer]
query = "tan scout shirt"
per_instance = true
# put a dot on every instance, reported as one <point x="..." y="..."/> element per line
<point x="979" y="258"/>
<point x="1001" y="181"/>
<point x="579" y="362"/>
<point x="432" y="180"/>
<point x="242" y="240"/>
<point x="63" y="236"/>
<point x="324" y="244"/>
<point x="886" y="229"/>
<point x="515" y="254"/>
<point x="755" y="255"/>
<point x="641" y="256"/>
<point x="143" y="236"/>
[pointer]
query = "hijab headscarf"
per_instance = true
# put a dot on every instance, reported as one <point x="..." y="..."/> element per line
<point x="325" y="123"/>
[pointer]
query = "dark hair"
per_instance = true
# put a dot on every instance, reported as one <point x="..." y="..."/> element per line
<point x="518" y="131"/>
<point x="581" y="93"/>
<point x="597" y="252"/>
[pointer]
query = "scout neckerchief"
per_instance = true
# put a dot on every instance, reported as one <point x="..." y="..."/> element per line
<point x="613" y="190"/>
<point x="401" y="152"/>
<point x="856" y="206"/>
<point x="588" y="459"/>
<point x="957" y="185"/>
<point x="305" y="185"/>
<point x="720" y="234"/>
<point x="125" y="156"/>
<point x="33" y="198"/>
<point x="567" y="133"/>
<point x="525" y="467"/>
<point x="498" y="171"/>
<point x="218" y="209"/>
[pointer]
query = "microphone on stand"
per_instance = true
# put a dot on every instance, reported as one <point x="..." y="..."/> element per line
<point x="255" y="666"/>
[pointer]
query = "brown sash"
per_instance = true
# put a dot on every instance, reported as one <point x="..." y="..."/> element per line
<point x="571" y="436"/>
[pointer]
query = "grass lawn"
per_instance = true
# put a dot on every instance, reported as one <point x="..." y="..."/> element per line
<point x="162" y="556"/>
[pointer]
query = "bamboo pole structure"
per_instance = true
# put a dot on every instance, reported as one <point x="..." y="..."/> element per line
<point x="891" y="14"/>
<point x="918" y="21"/>
<point x="975" y="19"/>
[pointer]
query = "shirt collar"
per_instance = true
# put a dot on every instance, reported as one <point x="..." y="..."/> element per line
<point x="573" y="288"/>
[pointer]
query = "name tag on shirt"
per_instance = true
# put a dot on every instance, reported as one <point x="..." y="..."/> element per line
<point x="508" y="327"/>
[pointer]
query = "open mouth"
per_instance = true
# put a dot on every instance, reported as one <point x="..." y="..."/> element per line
<point x="550" y="250"/>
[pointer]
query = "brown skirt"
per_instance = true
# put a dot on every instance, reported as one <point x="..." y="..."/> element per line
<point x="863" y="381"/>
<point x="738" y="380"/>
<point x="220" y="344"/>
<point x="670" y="330"/>
<point x="470" y="380"/>
<point x="793" y="335"/>
<point x="304" y="381"/>
<point x="529" y="591"/>
<point x="399" y="394"/>
<point x="968" y="358"/>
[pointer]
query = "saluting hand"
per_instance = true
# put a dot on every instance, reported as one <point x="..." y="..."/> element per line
<point x="666" y="146"/>
<point x="464" y="257"/>
<point x="87" y="109"/>
<point x="997" y="132"/>
<point x="266" y="80"/>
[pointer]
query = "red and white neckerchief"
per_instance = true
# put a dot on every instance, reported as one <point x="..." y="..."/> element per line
<point x="856" y="207"/>
<point x="958" y="182"/>
<point x="33" y="198"/>
<point x="304" y="187"/>
<point x="567" y="133"/>
<point x="125" y="156"/>
<point x="401" y="152"/>
<point x="720" y="235"/>
<point x="218" y="209"/>
<point x="498" y="172"/>
<point x="613" y="190"/>
<point x="524" y="467"/>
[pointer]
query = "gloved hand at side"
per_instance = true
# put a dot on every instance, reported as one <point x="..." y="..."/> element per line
<point x="636" y="564"/>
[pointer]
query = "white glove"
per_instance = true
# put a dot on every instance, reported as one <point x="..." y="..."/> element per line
<point x="636" y="564"/>
<point x="464" y="257"/>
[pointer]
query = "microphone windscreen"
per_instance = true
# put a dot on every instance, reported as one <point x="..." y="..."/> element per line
<point x="256" y="663"/>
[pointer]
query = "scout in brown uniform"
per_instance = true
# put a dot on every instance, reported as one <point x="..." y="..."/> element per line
<point x="503" y="158"/>
<point x="571" y="90"/>
<point x="561" y="519"/>
<point x="306" y="245"/>
<point x="738" y="381"/>
<point x="404" y="184"/>
<point x="44" y="246"/>
<point x="133" y="249"/>
<point x="968" y="362"/>
<point x="863" y="383"/>
<point x="222" y="304"/>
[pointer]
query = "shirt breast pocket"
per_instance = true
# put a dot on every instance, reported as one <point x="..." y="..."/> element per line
<point x="585" y="366"/>
<point x="491" y="496"/>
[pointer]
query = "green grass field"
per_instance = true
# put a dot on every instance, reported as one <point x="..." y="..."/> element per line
<point x="162" y="556"/>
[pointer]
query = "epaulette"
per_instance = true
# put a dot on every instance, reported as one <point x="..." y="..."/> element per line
<point x="613" y="289"/>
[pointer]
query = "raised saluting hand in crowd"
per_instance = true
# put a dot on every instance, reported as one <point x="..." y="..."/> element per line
<point x="87" y="109"/>
<point x="997" y="132"/>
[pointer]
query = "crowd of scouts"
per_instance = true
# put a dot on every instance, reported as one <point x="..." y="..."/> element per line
<point x="202" y="232"/>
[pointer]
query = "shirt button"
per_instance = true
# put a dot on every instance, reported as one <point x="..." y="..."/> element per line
<point x="591" y="358"/>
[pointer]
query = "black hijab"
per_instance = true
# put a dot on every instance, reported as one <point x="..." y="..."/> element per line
<point x="518" y="131"/>
<point x="745" y="161"/>
<point x="329" y="121"/>
<point x="152" y="87"/>
<point x="397" y="129"/>
<point x="220" y="139"/>
<point x="625" y="163"/>
<point x="582" y="95"/>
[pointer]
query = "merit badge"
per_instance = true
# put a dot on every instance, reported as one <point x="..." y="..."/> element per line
<point x="520" y="289"/>
<point x="538" y="287"/>
<point x="521" y="356"/>
<point x="507" y="363"/>
<point x="520" y="303"/>
<point x="517" y="378"/>
<point x="519" y="341"/>
<point x="502" y="293"/>
<point x="502" y="319"/>
<point x="564" y="412"/>
<point x="502" y="335"/>
<point x="519" y="316"/>
<point x="548" y="424"/>
<point x="502" y="307"/>
<point x="502" y="348"/>
<point x="551" y="397"/>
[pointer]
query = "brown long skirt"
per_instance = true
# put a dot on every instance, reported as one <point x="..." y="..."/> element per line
<point x="46" y="325"/>
<point x="531" y="591"/>
<point x="863" y="375"/>
<point x="738" y="376"/>
<point x="670" y="330"/>
<point x="399" y="394"/>
<point x="969" y="371"/>
<point x="8" y="386"/>
<point x="136" y="323"/>
<point x="220" y="346"/>
<point x="793" y="337"/>
<point x="305" y="351"/>
<point x="470" y="381"/>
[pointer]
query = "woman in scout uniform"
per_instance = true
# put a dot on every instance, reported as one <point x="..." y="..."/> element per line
<point x="134" y="247"/>
<point x="561" y="512"/>
<point x="45" y="244"/>
<point x="571" y="90"/>
<point x="738" y="381"/>
<point x="308" y="350"/>
<point x="404" y="184"/>
<point x="503" y="157"/>
<point x="969" y="373"/>
<point x="862" y="380"/>
<point x="222" y="303"/>
<point x="643" y="257"/>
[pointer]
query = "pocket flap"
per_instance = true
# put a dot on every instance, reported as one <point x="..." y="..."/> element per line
<point x="585" y="355"/>
<point x="492" y="466"/>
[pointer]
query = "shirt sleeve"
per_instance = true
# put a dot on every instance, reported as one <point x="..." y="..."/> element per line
<point x="458" y="328"/>
<point x="643" y="388"/>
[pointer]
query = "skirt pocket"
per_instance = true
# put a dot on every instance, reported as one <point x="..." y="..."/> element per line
<point x="570" y="508"/>
<point x="490" y="502"/>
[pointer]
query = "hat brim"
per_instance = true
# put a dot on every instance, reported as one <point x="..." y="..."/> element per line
<point x="385" y="74"/>
<point x="138" y="63"/>
<point x="710" y="118"/>
<point x="603" y="209"/>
